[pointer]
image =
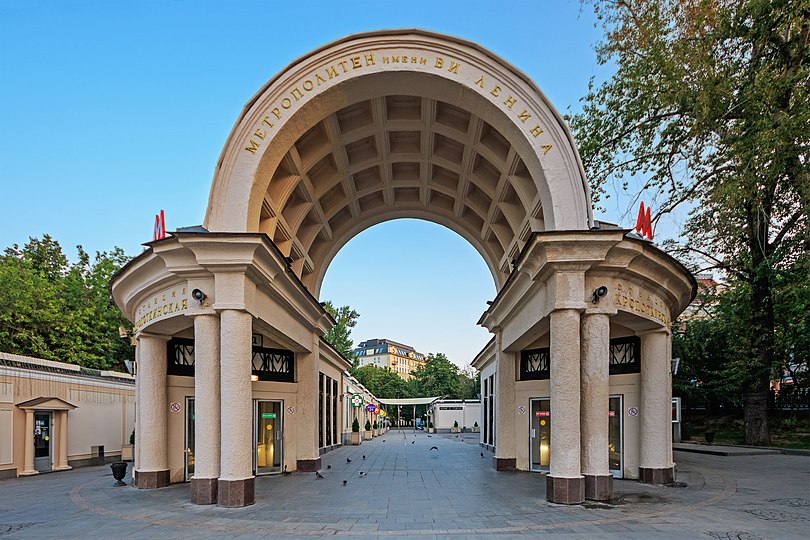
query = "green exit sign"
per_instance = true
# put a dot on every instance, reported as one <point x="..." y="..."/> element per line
<point x="268" y="415"/>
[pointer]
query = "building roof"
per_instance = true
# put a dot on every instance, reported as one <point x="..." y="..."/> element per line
<point x="380" y="346"/>
<point x="49" y="366"/>
<point x="409" y="401"/>
<point x="53" y="403"/>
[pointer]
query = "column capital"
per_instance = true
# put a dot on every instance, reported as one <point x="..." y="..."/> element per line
<point x="206" y="312"/>
<point x="658" y="330"/>
<point x="150" y="335"/>
<point x="600" y="310"/>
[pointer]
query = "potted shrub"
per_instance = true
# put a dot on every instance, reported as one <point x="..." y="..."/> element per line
<point x="475" y="428"/>
<point x="128" y="450"/>
<point x="376" y="427"/>
<point x="367" y="436"/>
<point x="355" y="432"/>
<point x="455" y="428"/>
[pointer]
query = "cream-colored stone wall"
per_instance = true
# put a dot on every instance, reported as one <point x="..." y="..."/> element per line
<point x="104" y="413"/>
<point x="624" y="385"/>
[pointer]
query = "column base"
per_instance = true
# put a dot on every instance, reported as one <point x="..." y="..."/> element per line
<point x="204" y="490"/>
<point x="565" y="490"/>
<point x="308" y="465"/>
<point x="656" y="476"/>
<point x="236" y="493"/>
<point x="29" y="473"/>
<point x="598" y="487"/>
<point x="505" y="464"/>
<point x="151" y="479"/>
<point x="62" y="468"/>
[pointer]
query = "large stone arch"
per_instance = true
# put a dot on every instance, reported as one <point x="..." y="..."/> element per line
<point x="400" y="123"/>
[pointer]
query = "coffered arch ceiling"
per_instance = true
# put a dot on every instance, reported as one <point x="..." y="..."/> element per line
<point x="314" y="167"/>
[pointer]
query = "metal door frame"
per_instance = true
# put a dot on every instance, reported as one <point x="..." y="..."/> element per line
<point x="50" y="440"/>
<point x="531" y="412"/>
<point x="619" y="473"/>
<point x="189" y="399"/>
<point x="256" y="435"/>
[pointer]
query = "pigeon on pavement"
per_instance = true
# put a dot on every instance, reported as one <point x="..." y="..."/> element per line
<point x="328" y="466"/>
<point x="482" y="455"/>
<point x="364" y="456"/>
<point x="345" y="482"/>
<point x="318" y="475"/>
<point x="413" y="442"/>
<point x="363" y="474"/>
<point x="348" y="460"/>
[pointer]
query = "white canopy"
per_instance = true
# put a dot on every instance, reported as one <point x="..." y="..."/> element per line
<point x="409" y="401"/>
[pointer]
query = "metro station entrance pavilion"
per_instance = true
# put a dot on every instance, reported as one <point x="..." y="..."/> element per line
<point x="374" y="127"/>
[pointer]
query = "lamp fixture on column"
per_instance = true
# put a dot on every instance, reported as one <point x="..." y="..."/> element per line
<point x="599" y="293"/>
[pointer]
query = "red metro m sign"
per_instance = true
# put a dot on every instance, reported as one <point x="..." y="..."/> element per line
<point x="159" y="231"/>
<point x="643" y="224"/>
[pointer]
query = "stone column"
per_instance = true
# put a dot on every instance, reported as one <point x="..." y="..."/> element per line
<point x="62" y="456"/>
<point x="505" y="457"/>
<point x="595" y="396"/>
<point x="152" y="412"/>
<point x="655" y="464"/>
<point x="29" y="444"/>
<point x="136" y="450"/>
<point x="206" y="409"/>
<point x="565" y="484"/>
<point x="309" y="459"/>
<point x="236" y="481"/>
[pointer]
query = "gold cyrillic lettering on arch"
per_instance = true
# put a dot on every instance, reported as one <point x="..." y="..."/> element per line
<point x="324" y="75"/>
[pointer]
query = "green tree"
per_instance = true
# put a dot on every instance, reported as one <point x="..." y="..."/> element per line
<point x="340" y="335"/>
<point x="709" y="106"/>
<point x="31" y="306"/>
<point x="469" y="387"/>
<point x="382" y="382"/>
<point x="438" y="376"/>
<point x="59" y="311"/>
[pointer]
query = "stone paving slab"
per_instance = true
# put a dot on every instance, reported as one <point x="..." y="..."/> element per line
<point x="414" y="492"/>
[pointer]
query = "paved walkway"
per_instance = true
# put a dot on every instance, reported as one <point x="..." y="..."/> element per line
<point x="413" y="491"/>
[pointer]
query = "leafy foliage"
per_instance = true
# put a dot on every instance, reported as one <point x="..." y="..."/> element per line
<point x="340" y="335"/>
<point x="709" y="106"/>
<point x="59" y="311"/>
<point x="438" y="377"/>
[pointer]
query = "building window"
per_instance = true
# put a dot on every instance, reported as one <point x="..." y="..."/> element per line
<point x="274" y="364"/>
<point x="534" y="364"/>
<point x="488" y="399"/>
<point x="335" y="432"/>
<point x="329" y="411"/>
<point x="180" y="356"/>
<point x="320" y="411"/>
<point x="625" y="355"/>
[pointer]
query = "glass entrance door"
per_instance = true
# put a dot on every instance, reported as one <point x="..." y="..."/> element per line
<point x="540" y="435"/>
<point x="189" y="447"/>
<point x="42" y="441"/>
<point x="269" y="436"/>
<point x="615" y="436"/>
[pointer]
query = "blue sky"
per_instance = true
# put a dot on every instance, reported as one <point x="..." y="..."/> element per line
<point x="111" y="111"/>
